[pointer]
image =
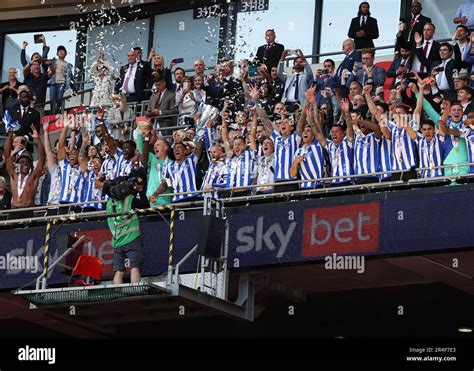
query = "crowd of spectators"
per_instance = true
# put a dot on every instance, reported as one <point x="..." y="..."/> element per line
<point x="252" y="128"/>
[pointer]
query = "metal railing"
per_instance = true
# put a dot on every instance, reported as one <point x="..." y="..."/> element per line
<point x="235" y="197"/>
<point x="330" y="54"/>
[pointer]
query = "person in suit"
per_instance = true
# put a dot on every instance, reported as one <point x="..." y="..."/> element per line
<point x="162" y="103"/>
<point x="409" y="26"/>
<point x="25" y="115"/>
<point x="297" y="83"/>
<point x="364" y="28"/>
<point x="132" y="79"/>
<point x="369" y="74"/>
<point x="427" y="51"/>
<point x="9" y="89"/>
<point x="221" y="86"/>
<point x="401" y="64"/>
<point x="347" y="64"/>
<point x="270" y="53"/>
<point x="443" y="72"/>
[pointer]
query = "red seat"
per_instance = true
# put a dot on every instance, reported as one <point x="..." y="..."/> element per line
<point x="388" y="81"/>
<point x="88" y="267"/>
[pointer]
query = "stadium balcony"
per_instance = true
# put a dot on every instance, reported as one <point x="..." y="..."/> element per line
<point x="236" y="256"/>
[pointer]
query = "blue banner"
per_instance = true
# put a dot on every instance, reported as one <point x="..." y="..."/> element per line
<point x="259" y="235"/>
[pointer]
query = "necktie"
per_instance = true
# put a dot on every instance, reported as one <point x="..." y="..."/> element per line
<point x="297" y="87"/>
<point x="22" y="111"/>
<point x="362" y="21"/>
<point x="127" y="77"/>
<point x="157" y="104"/>
<point x="267" y="48"/>
<point x="425" y="51"/>
<point x="412" y="22"/>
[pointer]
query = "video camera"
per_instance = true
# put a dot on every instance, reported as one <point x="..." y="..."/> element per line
<point x="123" y="186"/>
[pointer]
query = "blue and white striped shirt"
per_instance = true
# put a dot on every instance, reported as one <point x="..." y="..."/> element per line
<point x="91" y="193"/>
<point x="313" y="165"/>
<point x="452" y="141"/>
<point x="109" y="166"/>
<point x="182" y="177"/>
<point x="386" y="154"/>
<point x="403" y="149"/>
<point x="430" y="155"/>
<point x="366" y="153"/>
<point x="71" y="182"/>
<point x="240" y="169"/>
<point x="285" y="149"/>
<point x="216" y="176"/>
<point x="468" y="135"/>
<point x="341" y="156"/>
<point x="124" y="166"/>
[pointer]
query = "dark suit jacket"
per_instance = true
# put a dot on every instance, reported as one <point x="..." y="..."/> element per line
<point x="30" y="117"/>
<point x="140" y="80"/>
<point x="433" y="58"/>
<point x="371" y="32"/>
<point x="167" y="106"/>
<point x="270" y="57"/>
<point x="469" y="108"/>
<point x="407" y="39"/>
<point x="455" y="63"/>
<point x="230" y="88"/>
<point x="347" y="63"/>
<point x="392" y="71"/>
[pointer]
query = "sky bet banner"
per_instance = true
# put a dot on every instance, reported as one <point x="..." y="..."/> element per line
<point x="386" y="223"/>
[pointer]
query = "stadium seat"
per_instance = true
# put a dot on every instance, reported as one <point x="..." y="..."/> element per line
<point x="88" y="267"/>
<point x="388" y="81"/>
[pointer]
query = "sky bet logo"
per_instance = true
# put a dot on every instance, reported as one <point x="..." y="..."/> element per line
<point x="341" y="229"/>
<point x="255" y="237"/>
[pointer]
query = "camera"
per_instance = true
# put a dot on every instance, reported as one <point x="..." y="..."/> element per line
<point x="358" y="65"/>
<point x="439" y="69"/>
<point x="123" y="186"/>
<point x="408" y="75"/>
<point x="119" y="188"/>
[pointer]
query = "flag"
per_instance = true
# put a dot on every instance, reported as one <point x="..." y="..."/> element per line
<point x="10" y="125"/>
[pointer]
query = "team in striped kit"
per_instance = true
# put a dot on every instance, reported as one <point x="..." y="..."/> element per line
<point x="359" y="149"/>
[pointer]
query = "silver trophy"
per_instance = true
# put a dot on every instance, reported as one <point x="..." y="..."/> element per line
<point x="206" y="112"/>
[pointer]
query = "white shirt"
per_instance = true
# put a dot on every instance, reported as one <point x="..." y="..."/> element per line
<point x="416" y="65"/>
<point x="441" y="79"/>
<point x="290" y="92"/>
<point x="132" y="69"/>
<point x="363" y="19"/>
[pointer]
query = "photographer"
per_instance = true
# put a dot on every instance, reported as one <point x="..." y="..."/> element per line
<point x="325" y="78"/>
<point x="296" y="83"/>
<point x="366" y="73"/>
<point x="126" y="194"/>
